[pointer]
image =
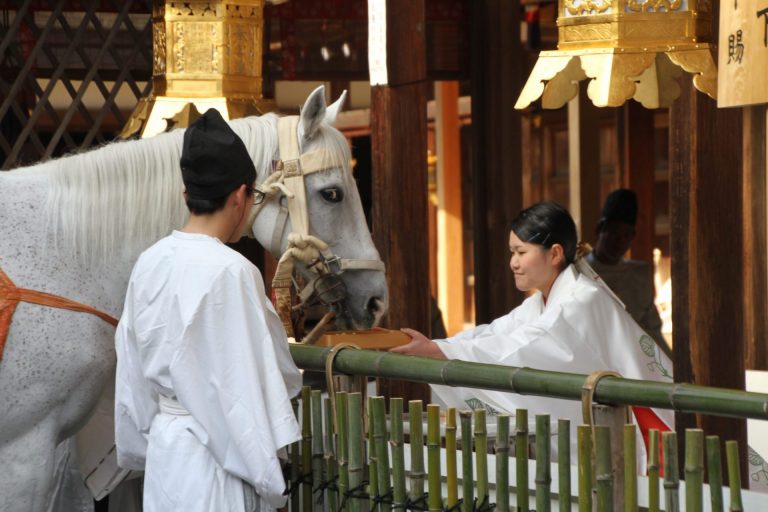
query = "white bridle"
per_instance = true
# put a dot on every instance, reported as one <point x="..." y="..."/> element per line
<point x="288" y="181"/>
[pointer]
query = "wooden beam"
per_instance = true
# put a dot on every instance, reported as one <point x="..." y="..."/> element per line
<point x="706" y="210"/>
<point x="399" y="158"/>
<point x="755" y="226"/>
<point x="496" y="58"/>
<point x="639" y="173"/>
<point x="584" y="165"/>
<point x="450" y="242"/>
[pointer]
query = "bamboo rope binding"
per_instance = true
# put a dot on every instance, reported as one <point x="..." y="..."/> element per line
<point x="362" y="384"/>
<point x="587" y="400"/>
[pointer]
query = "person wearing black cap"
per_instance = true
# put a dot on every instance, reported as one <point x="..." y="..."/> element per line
<point x="204" y="375"/>
<point x="630" y="280"/>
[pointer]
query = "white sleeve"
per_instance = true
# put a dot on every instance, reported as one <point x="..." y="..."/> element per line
<point x="501" y="325"/>
<point x="135" y="401"/>
<point x="235" y="376"/>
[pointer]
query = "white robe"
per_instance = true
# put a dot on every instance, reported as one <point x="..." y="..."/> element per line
<point x="198" y="327"/>
<point x="582" y="328"/>
<point x="632" y="281"/>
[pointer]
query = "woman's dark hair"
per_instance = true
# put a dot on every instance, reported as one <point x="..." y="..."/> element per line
<point x="547" y="224"/>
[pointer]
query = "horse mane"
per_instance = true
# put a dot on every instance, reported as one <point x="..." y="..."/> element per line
<point x="116" y="200"/>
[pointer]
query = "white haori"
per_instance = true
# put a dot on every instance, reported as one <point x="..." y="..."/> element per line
<point x="582" y="328"/>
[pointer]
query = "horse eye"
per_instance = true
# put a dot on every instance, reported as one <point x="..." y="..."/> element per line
<point x="332" y="195"/>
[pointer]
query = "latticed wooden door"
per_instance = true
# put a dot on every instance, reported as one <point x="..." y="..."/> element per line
<point x="70" y="72"/>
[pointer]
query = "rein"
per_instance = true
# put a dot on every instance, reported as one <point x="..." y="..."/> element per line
<point x="11" y="295"/>
<point x="315" y="254"/>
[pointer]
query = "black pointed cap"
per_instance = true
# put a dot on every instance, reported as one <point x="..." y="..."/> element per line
<point x="214" y="160"/>
<point x="620" y="206"/>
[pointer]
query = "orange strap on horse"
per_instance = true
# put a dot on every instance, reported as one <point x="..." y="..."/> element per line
<point x="11" y="295"/>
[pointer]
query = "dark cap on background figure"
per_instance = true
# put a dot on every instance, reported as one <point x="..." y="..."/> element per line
<point x="214" y="160"/>
<point x="619" y="206"/>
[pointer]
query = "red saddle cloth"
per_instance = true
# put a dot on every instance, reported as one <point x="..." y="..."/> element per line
<point x="11" y="295"/>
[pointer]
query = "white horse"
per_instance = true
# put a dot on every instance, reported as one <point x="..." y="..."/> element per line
<point x="103" y="208"/>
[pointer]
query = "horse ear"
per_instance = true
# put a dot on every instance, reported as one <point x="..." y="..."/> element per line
<point x="312" y="113"/>
<point x="334" y="108"/>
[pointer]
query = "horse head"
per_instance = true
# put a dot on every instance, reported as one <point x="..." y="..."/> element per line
<point x="323" y="201"/>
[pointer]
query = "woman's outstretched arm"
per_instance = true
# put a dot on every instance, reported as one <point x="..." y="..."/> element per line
<point x="420" y="345"/>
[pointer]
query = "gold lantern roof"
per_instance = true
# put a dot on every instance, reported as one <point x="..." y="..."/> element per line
<point x="628" y="49"/>
<point x="206" y="54"/>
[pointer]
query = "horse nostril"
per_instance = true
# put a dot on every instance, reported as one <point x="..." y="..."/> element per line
<point x="375" y="305"/>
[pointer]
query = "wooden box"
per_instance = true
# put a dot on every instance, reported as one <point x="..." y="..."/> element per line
<point x="374" y="339"/>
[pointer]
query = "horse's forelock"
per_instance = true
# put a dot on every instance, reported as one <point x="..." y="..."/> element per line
<point x="337" y="154"/>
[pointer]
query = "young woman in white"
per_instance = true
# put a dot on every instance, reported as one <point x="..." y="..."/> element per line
<point x="570" y="323"/>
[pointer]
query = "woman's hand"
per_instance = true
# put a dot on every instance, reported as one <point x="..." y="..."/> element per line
<point x="420" y="345"/>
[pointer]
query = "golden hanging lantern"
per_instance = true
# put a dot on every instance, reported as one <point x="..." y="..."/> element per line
<point x="206" y="54"/>
<point x="628" y="49"/>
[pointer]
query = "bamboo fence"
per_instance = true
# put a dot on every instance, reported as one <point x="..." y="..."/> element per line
<point x="338" y="466"/>
<point x="356" y="457"/>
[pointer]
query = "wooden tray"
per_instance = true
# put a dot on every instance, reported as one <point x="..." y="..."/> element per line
<point x="374" y="339"/>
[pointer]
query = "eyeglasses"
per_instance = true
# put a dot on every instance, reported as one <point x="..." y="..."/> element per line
<point x="258" y="195"/>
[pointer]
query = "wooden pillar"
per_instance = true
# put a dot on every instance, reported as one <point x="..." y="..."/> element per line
<point x="707" y="215"/>
<point x="755" y="250"/>
<point x="450" y="242"/>
<point x="496" y="73"/>
<point x="584" y="165"/>
<point x="639" y="173"/>
<point x="399" y="158"/>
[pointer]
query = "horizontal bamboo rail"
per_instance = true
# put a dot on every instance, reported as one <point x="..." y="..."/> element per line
<point x="527" y="381"/>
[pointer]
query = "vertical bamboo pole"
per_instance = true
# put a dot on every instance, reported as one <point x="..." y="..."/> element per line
<point x="694" y="469"/>
<point x="331" y="474"/>
<point x="543" y="476"/>
<point x="521" y="457"/>
<point x="306" y="449"/>
<point x="435" y="501"/>
<point x="450" y="458"/>
<point x="416" y="437"/>
<point x="398" y="453"/>
<point x="468" y="496"/>
<point x="295" y="466"/>
<point x="342" y="444"/>
<point x="564" y="465"/>
<point x="734" y="475"/>
<point x="481" y="457"/>
<point x="671" y="476"/>
<point x="715" y="473"/>
<point x="502" y="463"/>
<point x="584" y="443"/>
<point x="653" y="470"/>
<point x="630" y="468"/>
<point x="317" y="448"/>
<point x="382" y="448"/>
<point x="373" y="467"/>
<point x="356" y="452"/>
<point x="603" y="469"/>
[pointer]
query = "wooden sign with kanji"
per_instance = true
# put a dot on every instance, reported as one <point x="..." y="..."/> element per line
<point x="743" y="53"/>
